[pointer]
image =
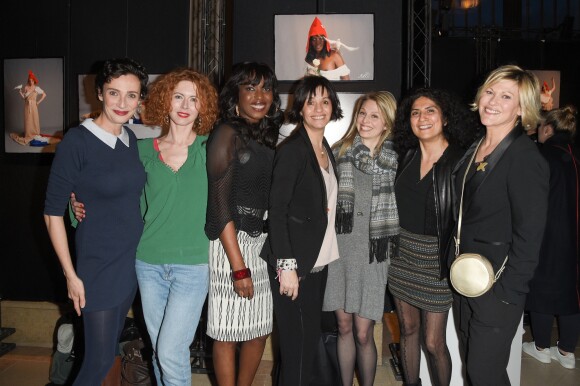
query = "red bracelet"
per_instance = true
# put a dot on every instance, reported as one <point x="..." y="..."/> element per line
<point x="241" y="274"/>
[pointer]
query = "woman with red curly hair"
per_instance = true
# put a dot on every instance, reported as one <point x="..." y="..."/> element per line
<point x="172" y="256"/>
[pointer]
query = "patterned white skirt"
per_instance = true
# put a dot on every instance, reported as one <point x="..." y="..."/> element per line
<point x="230" y="317"/>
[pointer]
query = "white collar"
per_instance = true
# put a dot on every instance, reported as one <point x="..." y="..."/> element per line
<point x="108" y="138"/>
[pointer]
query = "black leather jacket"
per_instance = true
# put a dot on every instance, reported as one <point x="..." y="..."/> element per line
<point x="444" y="196"/>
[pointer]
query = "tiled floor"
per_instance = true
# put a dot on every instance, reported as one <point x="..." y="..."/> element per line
<point x="29" y="366"/>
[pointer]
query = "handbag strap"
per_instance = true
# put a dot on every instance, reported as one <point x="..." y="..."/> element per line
<point x="459" y="220"/>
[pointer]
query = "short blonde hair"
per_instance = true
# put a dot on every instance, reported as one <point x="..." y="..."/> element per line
<point x="528" y="87"/>
<point x="387" y="105"/>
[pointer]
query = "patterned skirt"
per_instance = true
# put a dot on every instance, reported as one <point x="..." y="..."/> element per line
<point x="414" y="274"/>
<point x="231" y="318"/>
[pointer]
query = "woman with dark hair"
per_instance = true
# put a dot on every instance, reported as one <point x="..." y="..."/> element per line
<point x="503" y="182"/>
<point x="172" y="256"/>
<point x="240" y="152"/>
<point x="320" y="58"/>
<point x="99" y="161"/>
<point x="432" y="130"/>
<point x="301" y="239"/>
<point x="366" y="210"/>
<point x="555" y="288"/>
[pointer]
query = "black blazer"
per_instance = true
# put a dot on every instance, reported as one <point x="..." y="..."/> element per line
<point x="298" y="209"/>
<point x="504" y="213"/>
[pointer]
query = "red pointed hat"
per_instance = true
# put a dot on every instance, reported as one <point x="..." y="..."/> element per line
<point x="317" y="29"/>
<point x="32" y="76"/>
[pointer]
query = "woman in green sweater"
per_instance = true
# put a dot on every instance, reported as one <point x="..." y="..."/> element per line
<point x="172" y="255"/>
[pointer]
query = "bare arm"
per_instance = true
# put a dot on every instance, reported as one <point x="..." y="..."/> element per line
<point x="243" y="287"/>
<point x="42" y="96"/>
<point x="58" y="237"/>
<point x="339" y="61"/>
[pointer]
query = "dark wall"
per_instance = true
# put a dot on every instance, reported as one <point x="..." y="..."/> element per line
<point x="253" y="35"/>
<point x="454" y="63"/>
<point x="82" y="32"/>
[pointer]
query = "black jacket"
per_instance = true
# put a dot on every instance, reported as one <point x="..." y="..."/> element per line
<point x="444" y="195"/>
<point x="504" y="213"/>
<point x="298" y="212"/>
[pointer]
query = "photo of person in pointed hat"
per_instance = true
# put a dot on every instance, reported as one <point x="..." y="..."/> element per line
<point x="32" y="96"/>
<point x="322" y="57"/>
<point x="546" y="95"/>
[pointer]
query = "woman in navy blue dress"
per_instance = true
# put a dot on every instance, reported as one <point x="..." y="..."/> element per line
<point x="99" y="162"/>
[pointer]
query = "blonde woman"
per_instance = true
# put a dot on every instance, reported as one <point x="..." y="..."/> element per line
<point x="366" y="210"/>
<point x="504" y="214"/>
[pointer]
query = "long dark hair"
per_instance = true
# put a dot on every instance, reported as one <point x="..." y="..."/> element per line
<point x="312" y="54"/>
<point x="266" y="130"/>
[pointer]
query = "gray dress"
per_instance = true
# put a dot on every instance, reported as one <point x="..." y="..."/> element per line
<point x="355" y="285"/>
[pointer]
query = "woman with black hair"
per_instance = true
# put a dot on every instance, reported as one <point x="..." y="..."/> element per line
<point x="301" y="239"/>
<point x="432" y="131"/>
<point x="240" y="152"/>
<point x="99" y="161"/>
<point x="320" y="58"/>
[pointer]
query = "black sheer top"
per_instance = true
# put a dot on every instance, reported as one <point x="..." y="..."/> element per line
<point x="239" y="172"/>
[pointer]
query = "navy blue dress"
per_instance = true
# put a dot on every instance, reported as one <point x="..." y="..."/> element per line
<point x="109" y="183"/>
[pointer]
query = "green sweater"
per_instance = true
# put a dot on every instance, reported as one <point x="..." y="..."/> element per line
<point x="173" y="206"/>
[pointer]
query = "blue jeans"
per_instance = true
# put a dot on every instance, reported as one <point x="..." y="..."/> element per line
<point x="172" y="296"/>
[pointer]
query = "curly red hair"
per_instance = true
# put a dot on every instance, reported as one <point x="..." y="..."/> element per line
<point x="158" y="103"/>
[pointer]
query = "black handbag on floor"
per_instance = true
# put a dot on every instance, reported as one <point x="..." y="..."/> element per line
<point x="135" y="368"/>
<point x="326" y="370"/>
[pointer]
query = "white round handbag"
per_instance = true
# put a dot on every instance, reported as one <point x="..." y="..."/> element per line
<point x="471" y="274"/>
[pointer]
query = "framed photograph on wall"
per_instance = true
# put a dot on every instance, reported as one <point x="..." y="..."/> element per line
<point x="33" y="104"/>
<point x="337" y="46"/>
<point x="90" y="105"/>
<point x="550" y="88"/>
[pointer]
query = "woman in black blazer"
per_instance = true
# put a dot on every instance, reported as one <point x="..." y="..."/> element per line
<point x="504" y="214"/>
<point x="301" y="238"/>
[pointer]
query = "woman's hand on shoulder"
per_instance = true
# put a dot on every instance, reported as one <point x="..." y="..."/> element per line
<point x="289" y="283"/>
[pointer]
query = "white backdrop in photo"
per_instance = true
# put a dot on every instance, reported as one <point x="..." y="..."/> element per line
<point x="49" y="72"/>
<point x="291" y="37"/>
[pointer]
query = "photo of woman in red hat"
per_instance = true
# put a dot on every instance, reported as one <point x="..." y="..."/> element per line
<point x="32" y="96"/>
<point x="546" y="95"/>
<point x="322" y="58"/>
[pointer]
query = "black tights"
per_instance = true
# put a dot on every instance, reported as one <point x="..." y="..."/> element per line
<point x="431" y="327"/>
<point x="356" y="344"/>
<point x="102" y="332"/>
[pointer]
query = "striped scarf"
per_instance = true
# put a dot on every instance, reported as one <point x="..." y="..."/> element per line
<point x="384" y="218"/>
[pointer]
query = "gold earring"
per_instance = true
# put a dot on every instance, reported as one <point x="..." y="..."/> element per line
<point x="237" y="111"/>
